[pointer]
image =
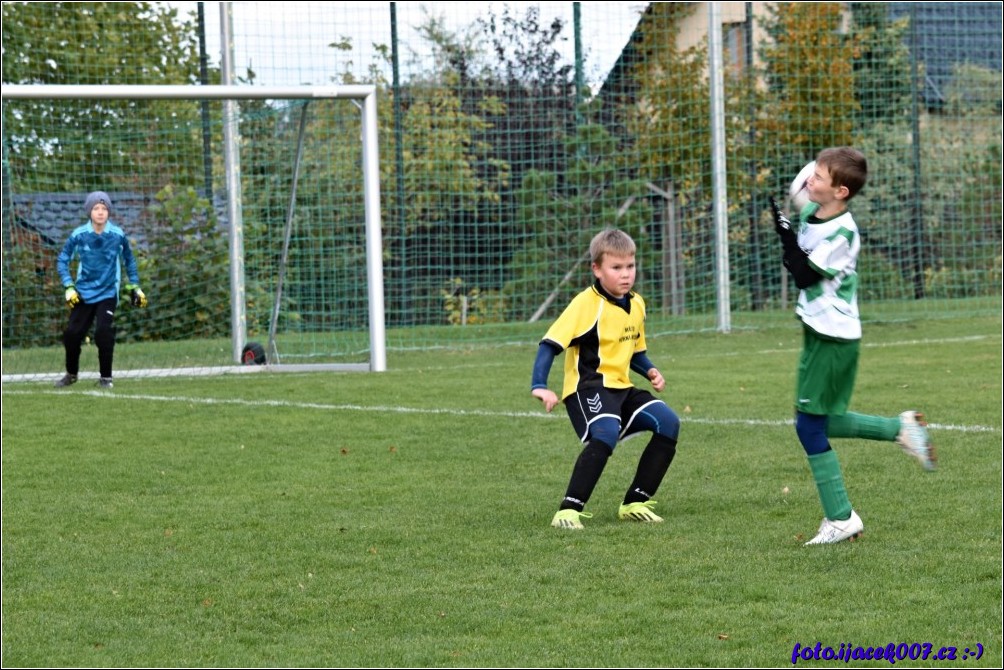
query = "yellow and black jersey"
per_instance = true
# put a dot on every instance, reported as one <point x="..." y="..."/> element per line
<point x="599" y="335"/>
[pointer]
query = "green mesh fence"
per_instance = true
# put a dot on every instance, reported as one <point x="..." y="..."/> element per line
<point x="509" y="135"/>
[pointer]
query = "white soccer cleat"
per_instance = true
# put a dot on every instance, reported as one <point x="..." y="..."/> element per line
<point x="913" y="438"/>
<point x="831" y="532"/>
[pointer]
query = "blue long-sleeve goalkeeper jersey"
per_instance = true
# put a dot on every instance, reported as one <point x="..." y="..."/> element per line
<point x="99" y="272"/>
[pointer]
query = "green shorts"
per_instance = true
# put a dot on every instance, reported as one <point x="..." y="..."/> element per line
<point x="826" y="372"/>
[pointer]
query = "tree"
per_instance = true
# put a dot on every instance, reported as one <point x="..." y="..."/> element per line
<point x="113" y="140"/>
<point x="563" y="212"/>
<point x="881" y="65"/>
<point x="670" y="126"/>
<point x="453" y="179"/>
<point x="810" y="72"/>
<point x="502" y="85"/>
<point x="146" y="146"/>
<point x="524" y="72"/>
<point x="188" y="263"/>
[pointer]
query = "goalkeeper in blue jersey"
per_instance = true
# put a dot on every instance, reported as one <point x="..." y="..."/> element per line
<point x="821" y="255"/>
<point x="100" y="248"/>
<point x="602" y="332"/>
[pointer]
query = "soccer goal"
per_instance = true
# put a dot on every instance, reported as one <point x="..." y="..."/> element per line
<point x="272" y="242"/>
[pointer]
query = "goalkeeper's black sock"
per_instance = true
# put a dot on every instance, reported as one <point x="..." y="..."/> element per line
<point x="652" y="468"/>
<point x="585" y="474"/>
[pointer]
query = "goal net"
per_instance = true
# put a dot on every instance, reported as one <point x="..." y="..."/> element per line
<point x="253" y="214"/>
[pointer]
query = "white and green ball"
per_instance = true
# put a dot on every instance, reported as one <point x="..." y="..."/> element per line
<point x="798" y="194"/>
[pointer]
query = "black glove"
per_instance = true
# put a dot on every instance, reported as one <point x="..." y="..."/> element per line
<point x="782" y="225"/>
<point x="797" y="263"/>
<point x="795" y="259"/>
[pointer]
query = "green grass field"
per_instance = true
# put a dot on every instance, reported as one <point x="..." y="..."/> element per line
<point x="401" y="519"/>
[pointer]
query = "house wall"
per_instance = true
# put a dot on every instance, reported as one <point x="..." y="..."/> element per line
<point x="733" y="16"/>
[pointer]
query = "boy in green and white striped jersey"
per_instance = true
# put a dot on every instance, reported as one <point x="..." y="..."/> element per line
<point x="821" y="255"/>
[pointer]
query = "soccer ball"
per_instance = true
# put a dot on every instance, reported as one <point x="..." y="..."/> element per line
<point x="798" y="195"/>
<point x="253" y="354"/>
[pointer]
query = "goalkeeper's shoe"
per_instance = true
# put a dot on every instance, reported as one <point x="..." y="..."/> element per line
<point x="105" y="382"/>
<point x="913" y="438"/>
<point x="66" y="380"/>
<point x="639" y="511"/>
<point x="831" y="532"/>
<point x="569" y="518"/>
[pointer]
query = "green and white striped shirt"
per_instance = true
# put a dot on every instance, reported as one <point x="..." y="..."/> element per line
<point x="830" y="307"/>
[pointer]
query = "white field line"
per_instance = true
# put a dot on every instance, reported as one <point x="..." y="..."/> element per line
<point x="664" y="357"/>
<point x="398" y="409"/>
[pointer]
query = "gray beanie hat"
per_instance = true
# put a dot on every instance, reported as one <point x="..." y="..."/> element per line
<point x="95" y="198"/>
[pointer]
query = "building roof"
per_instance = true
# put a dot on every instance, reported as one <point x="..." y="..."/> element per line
<point x="53" y="216"/>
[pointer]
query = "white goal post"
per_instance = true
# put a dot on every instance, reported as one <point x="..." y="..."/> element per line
<point x="365" y="95"/>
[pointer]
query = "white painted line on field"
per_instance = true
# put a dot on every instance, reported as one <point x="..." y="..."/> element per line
<point x="388" y="409"/>
<point x="864" y="345"/>
<point x="942" y="340"/>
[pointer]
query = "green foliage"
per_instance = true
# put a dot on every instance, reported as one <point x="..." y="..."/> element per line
<point x="496" y="167"/>
<point x="882" y="65"/>
<point x="884" y="210"/>
<point x="880" y="279"/>
<point x="974" y="92"/>
<point x="440" y="177"/>
<point x="563" y="214"/>
<point x="671" y="140"/>
<point x="980" y="207"/>
<point x="184" y="269"/>
<point x="269" y="137"/>
<point x="809" y="63"/>
<point x="441" y="142"/>
<point x="98" y="43"/>
<point x="957" y="281"/>
<point x="964" y="218"/>
<point x="672" y="86"/>
<point x="30" y="278"/>
<point x="521" y="67"/>
<point x="915" y="217"/>
<point x="962" y="206"/>
<point x="472" y="306"/>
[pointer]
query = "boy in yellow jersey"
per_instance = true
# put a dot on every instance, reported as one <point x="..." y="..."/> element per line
<point x="602" y="332"/>
<point x="821" y="254"/>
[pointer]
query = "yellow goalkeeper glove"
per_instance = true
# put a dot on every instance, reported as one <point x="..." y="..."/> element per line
<point x="138" y="297"/>
<point x="72" y="297"/>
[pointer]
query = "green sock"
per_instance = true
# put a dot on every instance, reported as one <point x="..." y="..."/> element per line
<point x="864" y="426"/>
<point x="830" y="483"/>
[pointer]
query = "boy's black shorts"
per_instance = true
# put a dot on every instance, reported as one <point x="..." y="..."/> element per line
<point x="588" y="405"/>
